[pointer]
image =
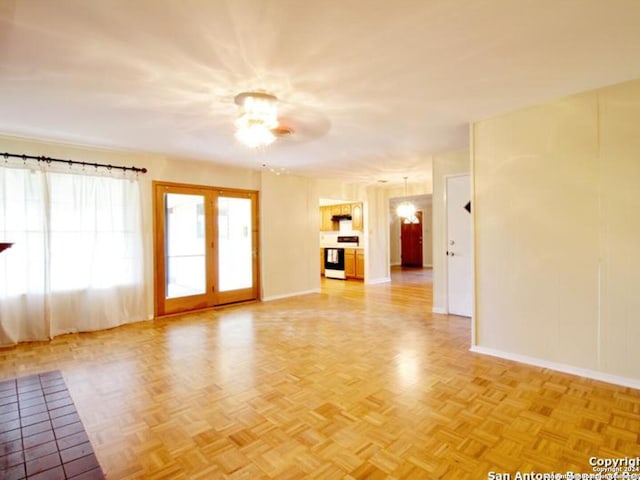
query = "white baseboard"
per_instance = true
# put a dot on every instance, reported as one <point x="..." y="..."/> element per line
<point x="560" y="367"/>
<point x="373" y="281"/>
<point x="441" y="310"/>
<point x="399" y="264"/>
<point x="287" y="295"/>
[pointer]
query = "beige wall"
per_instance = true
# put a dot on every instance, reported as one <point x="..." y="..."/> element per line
<point x="336" y="189"/>
<point x="288" y="267"/>
<point x="427" y="234"/>
<point x="557" y="231"/>
<point x="395" y="245"/>
<point x="289" y="217"/>
<point x="446" y="163"/>
<point x="376" y="213"/>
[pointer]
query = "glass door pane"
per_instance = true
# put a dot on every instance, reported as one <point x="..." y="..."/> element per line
<point x="185" y="245"/>
<point x="235" y="244"/>
<point x="236" y="247"/>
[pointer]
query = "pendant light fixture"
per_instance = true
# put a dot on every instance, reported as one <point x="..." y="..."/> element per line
<point x="406" y="210"/>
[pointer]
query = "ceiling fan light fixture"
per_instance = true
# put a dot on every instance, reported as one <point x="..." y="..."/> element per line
<point x="258" y="115"/>
<point x="255" y="135"/>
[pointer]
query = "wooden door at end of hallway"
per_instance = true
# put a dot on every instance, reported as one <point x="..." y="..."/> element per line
<point x="411" y="242"/>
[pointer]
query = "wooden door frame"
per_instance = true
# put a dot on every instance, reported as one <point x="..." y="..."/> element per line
<point x="181" y="303"/>
<point x="225" y="298"/>
<point x="159" y="270"/>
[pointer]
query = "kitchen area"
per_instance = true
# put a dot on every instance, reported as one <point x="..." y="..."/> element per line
<point x="342" y="254"/>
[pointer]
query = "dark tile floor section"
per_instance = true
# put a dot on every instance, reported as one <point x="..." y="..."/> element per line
<point x="41" y="434"/>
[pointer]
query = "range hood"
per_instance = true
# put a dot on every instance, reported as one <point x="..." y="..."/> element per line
<point x="337" y="218"/>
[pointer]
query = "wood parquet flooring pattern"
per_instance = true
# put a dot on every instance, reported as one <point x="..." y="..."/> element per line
<point x="356" y="382"/>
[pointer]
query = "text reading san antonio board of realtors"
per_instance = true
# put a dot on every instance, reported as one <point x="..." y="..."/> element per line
<point x="627" y="468"/>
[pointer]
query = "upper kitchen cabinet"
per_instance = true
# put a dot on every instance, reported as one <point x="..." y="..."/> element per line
<point x="356" y="216"/>
<point x="329" y="211"/>
<point x="326" y="224"/>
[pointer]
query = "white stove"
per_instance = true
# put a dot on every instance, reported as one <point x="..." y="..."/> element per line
<point x="334" y="257"/>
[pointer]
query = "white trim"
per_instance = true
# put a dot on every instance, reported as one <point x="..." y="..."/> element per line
<point x="378" y="280"/>
<point x="560" y="367"/>
<point x="287" y="295"/>
<point x="474" y="258"/>
<point x="462" y="174"/>
<point x="399" y="264"/>
<point x="440" y="310"/>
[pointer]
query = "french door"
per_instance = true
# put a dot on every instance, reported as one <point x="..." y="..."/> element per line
<point x="206" y="247"/>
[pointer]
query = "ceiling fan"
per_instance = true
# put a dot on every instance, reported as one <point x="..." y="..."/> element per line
<point x="259" y="122"/>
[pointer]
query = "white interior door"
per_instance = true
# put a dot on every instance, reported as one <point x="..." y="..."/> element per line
<point x="459" y="257"/>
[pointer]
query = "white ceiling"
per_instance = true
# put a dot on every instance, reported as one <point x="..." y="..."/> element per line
<point x="372" y="87"/>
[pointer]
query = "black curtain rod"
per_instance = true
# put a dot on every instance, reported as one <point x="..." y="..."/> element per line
<point x="73" y="162"/>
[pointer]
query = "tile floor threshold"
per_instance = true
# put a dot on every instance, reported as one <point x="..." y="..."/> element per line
<point x="41" y="434"/>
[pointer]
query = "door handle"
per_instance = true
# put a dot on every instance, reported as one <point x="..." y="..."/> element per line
<point x="451" y="254"/>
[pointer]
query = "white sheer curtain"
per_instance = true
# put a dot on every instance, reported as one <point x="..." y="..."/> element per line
<point x="77" y="262"/>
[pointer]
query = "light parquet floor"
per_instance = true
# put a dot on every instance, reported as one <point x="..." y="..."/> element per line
<point x="355" y="382"/>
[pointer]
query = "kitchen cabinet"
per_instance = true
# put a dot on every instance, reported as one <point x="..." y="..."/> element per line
<point x="360" y="264"/>
<point x="354" y="263"/>
<point x="325" y="219"/>
<point x="350" y="262"/>
<point x="328" y="211"/>
<point x="322" y="261"/>
<point x="356" y="216"/>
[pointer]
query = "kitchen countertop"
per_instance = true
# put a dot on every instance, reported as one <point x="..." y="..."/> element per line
<point x="344" y="245"/>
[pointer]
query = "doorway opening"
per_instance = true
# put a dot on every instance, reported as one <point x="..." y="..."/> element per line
<point x="417" y="240"/>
